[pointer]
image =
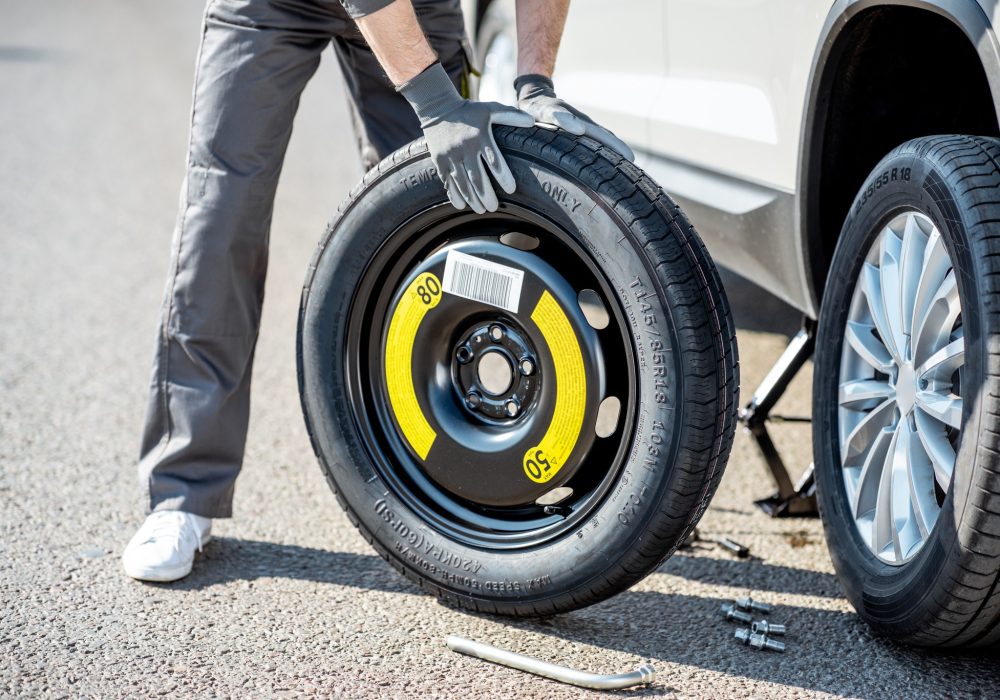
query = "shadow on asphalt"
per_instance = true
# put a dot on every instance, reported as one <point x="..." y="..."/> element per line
<point x="755" y="309"/>
<point x="753" y="574"/>
<point x="681" y="629"/>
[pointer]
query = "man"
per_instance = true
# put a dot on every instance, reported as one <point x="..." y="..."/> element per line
<point x="403" y="64"/>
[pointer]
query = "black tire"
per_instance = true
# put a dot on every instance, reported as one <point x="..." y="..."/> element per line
<point x="947" y="593"/>
<point x="686" y="374"/>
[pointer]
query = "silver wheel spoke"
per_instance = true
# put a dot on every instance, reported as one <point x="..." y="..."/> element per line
<point x="936" y="267"/>
<point x="889" y="269"/>
<point x="868" y="346"/>
<point x="934" y="437"/>
<point x="943" y="363"/>
<point x="947" y="409"/>
<point x="866" y="489"/>
<point x="884" y="535"/>
<point x="919" y="485"/>
<point x="860" y="439"/>
<point x="934" y="327"/>
<point x="864" y="393"/>
<point x="911" y="267"/>
<point x="871" y="285"/>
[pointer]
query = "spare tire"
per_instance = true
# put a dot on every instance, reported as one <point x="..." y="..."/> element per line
<point x="525" y="412"/>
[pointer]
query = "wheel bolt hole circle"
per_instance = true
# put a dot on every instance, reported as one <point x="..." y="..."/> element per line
<point x="496" y="372"/>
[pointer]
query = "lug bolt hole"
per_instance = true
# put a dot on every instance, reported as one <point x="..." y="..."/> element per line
<point x="473" y="399"/>
<point x="464" y="354"/>
<point x="511" y="408"/>
<point x="527" y="366"/>
<point x="496" y="332"/>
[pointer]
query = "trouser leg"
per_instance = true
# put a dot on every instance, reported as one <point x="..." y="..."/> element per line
<point x="255" y="58"/>
<point x="383" y="120"/>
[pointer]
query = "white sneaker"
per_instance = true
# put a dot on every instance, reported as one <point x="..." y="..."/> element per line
<point x="163" y="548"/>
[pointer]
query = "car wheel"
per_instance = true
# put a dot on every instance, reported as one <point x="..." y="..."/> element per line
<point x="526" y="411"/>
<point x="496" y="43"/>
<point x="907" y="395"/>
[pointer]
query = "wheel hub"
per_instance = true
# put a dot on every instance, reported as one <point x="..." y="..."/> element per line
<point x="495" y="371"/>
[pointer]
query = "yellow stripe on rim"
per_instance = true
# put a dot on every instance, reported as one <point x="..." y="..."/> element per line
<point x="544" y="460"/>
<point x="421" y="296"/>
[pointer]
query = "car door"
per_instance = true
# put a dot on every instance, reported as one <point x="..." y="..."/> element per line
<point x="611" y="60"/>
<point x="725" y="125"/>
<point x="734" y="89"/>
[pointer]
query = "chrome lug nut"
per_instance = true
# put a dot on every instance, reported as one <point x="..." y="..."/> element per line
<point x="511" y="408"/>
<point x="764" y="627"/>
<point x="758" y="641"/>
<point x="496" y="332"/>
<point x="473" y="399"/>
<point x="526" y="366"/>
<point x="733" y="615"/>
<point x="749" y="603"/>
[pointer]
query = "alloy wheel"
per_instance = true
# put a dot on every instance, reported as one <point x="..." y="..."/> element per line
<point x="900" y="388"/>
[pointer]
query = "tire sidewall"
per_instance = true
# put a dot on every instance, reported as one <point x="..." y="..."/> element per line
<point x="646" y="476"/>
<point x="895" y="599"/>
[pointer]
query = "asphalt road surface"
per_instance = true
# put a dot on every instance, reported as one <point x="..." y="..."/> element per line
<point x="288" y="599"/>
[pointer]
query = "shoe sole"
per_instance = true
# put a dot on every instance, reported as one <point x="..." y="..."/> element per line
<point x="160" y="574"/>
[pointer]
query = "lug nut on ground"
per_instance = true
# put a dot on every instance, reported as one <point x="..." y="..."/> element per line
<point x="733" y="615"/>
<point x="758" y="641"/>
<point x="764" y="627"/>
<point x="749" y="603"/>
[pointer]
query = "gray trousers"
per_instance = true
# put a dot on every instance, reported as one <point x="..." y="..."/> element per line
<point x="256" y="57"/>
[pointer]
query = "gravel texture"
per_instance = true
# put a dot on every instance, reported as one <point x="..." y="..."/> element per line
<point x="288" y="600"/>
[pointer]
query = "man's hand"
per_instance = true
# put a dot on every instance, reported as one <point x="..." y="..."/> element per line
<point x="537" y="96"/>
<point x="460" y="138"/>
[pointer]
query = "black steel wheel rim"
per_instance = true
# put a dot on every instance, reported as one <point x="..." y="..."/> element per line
<point x="469" y="486"/>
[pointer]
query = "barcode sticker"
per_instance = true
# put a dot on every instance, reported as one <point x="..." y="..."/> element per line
<point x="481" y="280"/>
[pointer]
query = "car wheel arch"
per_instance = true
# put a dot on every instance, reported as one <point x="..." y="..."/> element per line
<point x="840" y="31"/>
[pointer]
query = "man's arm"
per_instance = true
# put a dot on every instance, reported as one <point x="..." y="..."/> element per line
<point x="539" y="29"/>
<point x="459" y="132"/>
<point x="396" y="39"/>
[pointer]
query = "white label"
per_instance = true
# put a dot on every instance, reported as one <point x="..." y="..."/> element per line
<point x="481" y="280"/>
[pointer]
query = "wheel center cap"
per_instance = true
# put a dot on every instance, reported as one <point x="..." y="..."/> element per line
<point x="906" y="388"/>
<point x="495" y="372"/>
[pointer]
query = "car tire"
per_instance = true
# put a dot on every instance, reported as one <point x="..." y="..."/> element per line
<point x="915" y="542"/>
<point x="668" y="450"/>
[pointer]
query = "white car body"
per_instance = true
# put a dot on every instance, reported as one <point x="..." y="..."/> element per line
<point x="715" y="97"/>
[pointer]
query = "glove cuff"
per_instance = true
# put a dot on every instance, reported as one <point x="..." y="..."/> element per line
<point x="533" y="85"/>
<point x="431" y="94"/>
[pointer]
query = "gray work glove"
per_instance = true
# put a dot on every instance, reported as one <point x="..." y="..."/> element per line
<point x="537" y="96"/>
<point x="459" y="137"/>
